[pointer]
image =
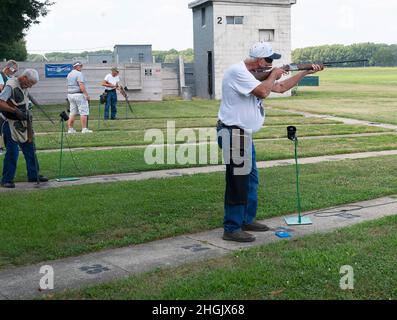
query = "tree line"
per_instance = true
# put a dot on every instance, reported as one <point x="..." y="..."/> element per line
<point x="381" y="55"/>
<point x="377" y="54"/>
<point x="16" y="16"/>
<point x="161" y="56"/>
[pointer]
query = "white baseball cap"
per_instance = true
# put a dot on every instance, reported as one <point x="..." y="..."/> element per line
<point x="263" y="50"/>
<point x="77" y="63"/>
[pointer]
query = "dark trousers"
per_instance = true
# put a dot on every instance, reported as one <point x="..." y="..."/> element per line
<point x="241" y="196"/>
<point x="12" y="154"/>
<point x="111" y="103"/>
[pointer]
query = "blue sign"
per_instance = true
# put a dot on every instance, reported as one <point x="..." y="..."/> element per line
<point x="57" y="70"/>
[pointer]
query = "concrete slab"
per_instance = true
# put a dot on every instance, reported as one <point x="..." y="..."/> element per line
<point x="171" y="173"/>
<point x="162" y="253"/>
<point x="23" y="283"/>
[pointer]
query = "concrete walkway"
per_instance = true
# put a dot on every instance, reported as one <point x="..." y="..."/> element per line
<point x="342" y="119"/>
<point x="354" y="135"/>
<point x="75" y="272"/>
<point x="171" y="173"/>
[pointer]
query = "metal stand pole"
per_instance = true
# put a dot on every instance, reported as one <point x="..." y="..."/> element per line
<point x="99" y="114"/>
<point x="297" y="181"/>
<point x="299" y="220"/>
<point x="60" y="178"/>
<point x="61" y="152"/>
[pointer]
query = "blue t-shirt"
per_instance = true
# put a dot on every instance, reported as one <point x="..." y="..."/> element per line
<point x="6" y="93"/>
<point x="2" y="81"/>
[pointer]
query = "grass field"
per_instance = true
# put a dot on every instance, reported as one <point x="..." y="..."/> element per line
<point x="306" y="268"/>
<point x="96" y="162"/>
<point x="55" y="223"/>
<point x="142" y="124"/>
<point x="137" y="137"/>
<point x="366" y="94"/>
<point x="50" y="224"/>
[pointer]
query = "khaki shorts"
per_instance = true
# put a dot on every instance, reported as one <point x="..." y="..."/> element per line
<point x="78" y="104"/>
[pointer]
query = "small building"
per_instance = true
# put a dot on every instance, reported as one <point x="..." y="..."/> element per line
<point x="99" y="58"/>
<point x="133" y="54"/>
<point x="224" y="30"/>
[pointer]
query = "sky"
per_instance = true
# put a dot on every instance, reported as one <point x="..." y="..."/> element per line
<point x="79" y="25"/>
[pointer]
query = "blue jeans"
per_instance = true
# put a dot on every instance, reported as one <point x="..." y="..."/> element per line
<point x="238" y="215"/>
<point x="111" y="103"/>
<point x="11" y="157"/>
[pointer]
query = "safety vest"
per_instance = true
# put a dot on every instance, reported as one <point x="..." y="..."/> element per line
<point x="19" y="97"/>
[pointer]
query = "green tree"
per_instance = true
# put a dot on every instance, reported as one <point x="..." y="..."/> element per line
<point x="376" y="54"/>
<point x="15" y="50"/>
<point x="16" y="16"/>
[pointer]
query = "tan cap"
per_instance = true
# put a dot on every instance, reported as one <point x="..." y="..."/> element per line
<point x="115" y="69"/>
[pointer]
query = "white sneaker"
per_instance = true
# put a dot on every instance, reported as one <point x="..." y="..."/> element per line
<point x="71" y="130"/>
<point x="86" y="130"/>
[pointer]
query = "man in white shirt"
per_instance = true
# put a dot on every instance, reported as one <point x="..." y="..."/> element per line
<point x="78" y="98"/>
<point x="111" y="83"/>
<point x="241" y="114"/>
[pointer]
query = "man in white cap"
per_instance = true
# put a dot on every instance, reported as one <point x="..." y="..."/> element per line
<point x="241" y="114"/>
<point x="78" y="98"/>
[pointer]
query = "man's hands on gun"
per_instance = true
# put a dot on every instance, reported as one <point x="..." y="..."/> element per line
<point x="316" y="68"/>
<point x="279" y="72"/>
<point x="21" y="115"/>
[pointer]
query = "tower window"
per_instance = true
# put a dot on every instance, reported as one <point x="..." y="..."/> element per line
<point x="266" y="35"/>
<point x="234" y="19"/>
<point x="203" y="18"/>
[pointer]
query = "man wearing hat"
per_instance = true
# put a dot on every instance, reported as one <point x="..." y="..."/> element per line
<point x="78" y="98"/>
<point x="111" y="83"/>
<point x="241" y="114"/>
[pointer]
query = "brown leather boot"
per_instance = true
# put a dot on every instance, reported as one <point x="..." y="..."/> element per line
<point x="256" y="227"/>
<point x="239" y="236"/>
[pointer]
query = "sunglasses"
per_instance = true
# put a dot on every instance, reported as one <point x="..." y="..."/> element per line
<point x="269" y="60"/>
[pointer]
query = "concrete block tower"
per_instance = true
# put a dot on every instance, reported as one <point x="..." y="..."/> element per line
<point x="224" y="30"/>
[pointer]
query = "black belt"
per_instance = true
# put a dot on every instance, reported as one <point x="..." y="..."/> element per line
<point x="222" y="125"/>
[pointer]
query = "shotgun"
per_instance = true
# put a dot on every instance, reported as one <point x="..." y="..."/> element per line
<point x="263" y="74"/>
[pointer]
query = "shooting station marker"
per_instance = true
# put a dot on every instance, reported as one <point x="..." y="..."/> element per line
<point x="299" y="220"/>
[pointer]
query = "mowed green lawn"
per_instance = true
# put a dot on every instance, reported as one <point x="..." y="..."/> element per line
<point x="54" y="223"/>
<point x="145" y="124"/>
<point x="97" y="162"/>
<point x="137" y="137"/>
<point x="167" y="109"/>
<point x="306" y="268"/>
<point x="360" y="93"/>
